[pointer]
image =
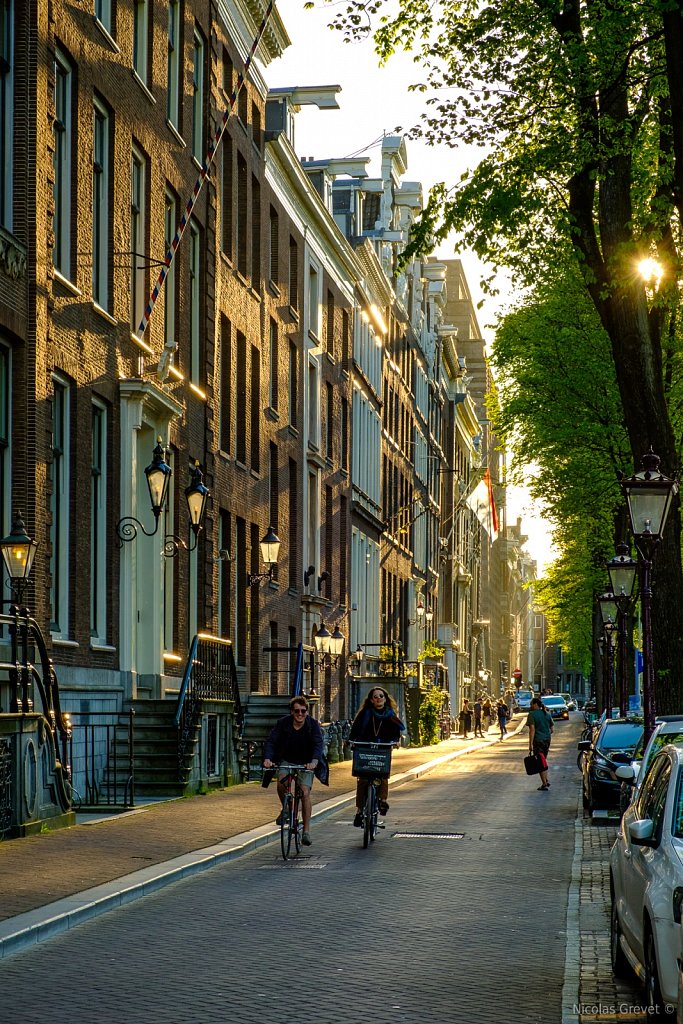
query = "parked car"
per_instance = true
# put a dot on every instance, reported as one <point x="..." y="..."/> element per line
<point x="523" y="700"/>
<point x="668" y="729"/>
<point x="556" y="706"/>
<point x="612" y="745"/>
<point x="646" y="883"/>
<point x="569" y="700"/>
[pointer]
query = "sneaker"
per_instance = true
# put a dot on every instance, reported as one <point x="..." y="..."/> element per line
<point x="542" y="789"/>
<point x="358" y="820"/>
<point x="278" y="820"/>
<point x="382" y="806"/>
<point x="306" y="839"/>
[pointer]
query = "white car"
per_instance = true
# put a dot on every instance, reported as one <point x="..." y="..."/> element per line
<point x="668" y="729"/>
<point x="646" y="883"/>
<point x="522" y="701"/>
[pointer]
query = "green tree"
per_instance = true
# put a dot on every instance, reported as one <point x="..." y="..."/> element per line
<point x="578" y="106"/>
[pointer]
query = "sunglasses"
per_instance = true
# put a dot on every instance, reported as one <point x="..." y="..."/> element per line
<point x="299" y="711"/>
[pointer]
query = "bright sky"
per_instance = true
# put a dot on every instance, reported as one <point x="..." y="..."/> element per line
<point x="375" y="102"/>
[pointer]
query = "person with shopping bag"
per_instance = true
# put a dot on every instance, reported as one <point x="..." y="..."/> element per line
<point x="540" y="733"/>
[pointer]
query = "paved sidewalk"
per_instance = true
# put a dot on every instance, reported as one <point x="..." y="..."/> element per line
<point x="63" y="877"/>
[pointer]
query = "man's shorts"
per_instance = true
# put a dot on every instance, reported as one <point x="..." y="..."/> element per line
<point x="541" y="746"/>
<point x="305" y="778"/>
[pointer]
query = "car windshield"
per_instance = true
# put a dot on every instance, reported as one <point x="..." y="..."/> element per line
<point x="554" y="702"/>
<point x="622" y="736"/>
<point x="524" y="694"/>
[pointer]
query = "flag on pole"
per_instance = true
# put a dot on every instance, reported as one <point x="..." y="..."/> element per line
<point x="482" y="503"/>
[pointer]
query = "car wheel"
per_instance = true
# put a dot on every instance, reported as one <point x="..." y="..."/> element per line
<point x="654" y="1004"/>
<point x="620" y="965"/>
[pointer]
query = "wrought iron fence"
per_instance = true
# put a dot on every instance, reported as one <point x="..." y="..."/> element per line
<point x="210" y="674"/>
<point x="102" y="759"/>
<point x="5" y="785"/>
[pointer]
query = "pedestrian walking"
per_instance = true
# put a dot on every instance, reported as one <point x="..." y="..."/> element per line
<point x="502" y="711"/>
<point x="487" y="713"/>
<point x="540" y="733"/>
<point x="477" y="718"/>
<point x="465" y="717"/>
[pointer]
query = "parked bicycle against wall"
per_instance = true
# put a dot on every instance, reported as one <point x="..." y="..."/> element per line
<point x="291" y="821"/>
<point x="371" y="761"/>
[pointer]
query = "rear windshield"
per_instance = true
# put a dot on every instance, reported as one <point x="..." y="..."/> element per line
<point x="620" y="736"/>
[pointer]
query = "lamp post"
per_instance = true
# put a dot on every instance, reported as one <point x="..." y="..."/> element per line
<point x="622" y="574"/>
<point x="329" y="646"/>
<point x="608" y="613"/>
<point x="649" y="494"/>
<point x="270" y="549"/>
<point x="18" y="552"/>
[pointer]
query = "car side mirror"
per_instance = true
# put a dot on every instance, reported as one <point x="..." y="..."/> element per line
<point x="626" y="773"/>
<point x="641" y="832"/>
<point x="584" y="745"/>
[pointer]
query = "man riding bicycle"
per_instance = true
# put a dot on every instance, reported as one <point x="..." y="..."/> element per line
<point x="297" y="739"/>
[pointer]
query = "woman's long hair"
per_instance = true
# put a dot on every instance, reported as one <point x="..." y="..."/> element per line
<point x="367" y="703"/>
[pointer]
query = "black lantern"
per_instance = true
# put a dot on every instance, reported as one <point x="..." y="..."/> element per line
<point x="270" y="549"/>
<point x="196" y="496"/>
<point x="18" y="552"/>
<point x="158" y="475"/>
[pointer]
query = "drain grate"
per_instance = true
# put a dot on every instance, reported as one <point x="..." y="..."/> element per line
<point x="428" y="835"/>
<point x="290" y="865"/>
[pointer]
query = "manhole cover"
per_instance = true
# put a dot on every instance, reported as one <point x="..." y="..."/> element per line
<point x="291" y="864"/>
<point x="428" y="835"/>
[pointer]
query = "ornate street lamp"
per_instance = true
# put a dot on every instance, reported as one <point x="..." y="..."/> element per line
<point x="270" y="549"/>
<point x="18" y="552"/>
<point x="622" y="571"/>
<point x="158" y="476"/>
<point x="649" y="494"/>
<point x="196" y="495"/>
<point x="608" y="613"/>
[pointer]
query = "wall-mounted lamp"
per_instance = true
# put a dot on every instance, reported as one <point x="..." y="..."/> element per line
<point x="308" y="573"/>
<point x="196" y="496"/>
<point x="321" y="579"/>
<point x="270" y="549"/>
<point x="158" y="475"/>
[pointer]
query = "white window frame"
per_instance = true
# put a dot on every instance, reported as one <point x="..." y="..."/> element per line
<point x="173" y="64"/>
<point x="59" y="507"/>
<point x="141" y="39"/>
<point x="195" y="300"/>
<point x="138" y="235"/>
<point x="198" y="96"/>
<point x="274" y="348"/>
<point x="6" y="113"/>
<point x="98" y="525"/>
<point x="100" y="206"/>
<point x="103" y="14"/>
<point x="63" y="142"/>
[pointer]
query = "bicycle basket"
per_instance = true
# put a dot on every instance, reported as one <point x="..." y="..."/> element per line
<point x="371" y="760"/>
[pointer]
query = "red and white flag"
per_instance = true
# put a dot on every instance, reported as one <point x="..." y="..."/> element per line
<point x="482" y="503"/>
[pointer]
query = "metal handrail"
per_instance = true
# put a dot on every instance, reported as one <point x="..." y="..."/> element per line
<point x="210" y="674"/>
<point x="101" y="764"/>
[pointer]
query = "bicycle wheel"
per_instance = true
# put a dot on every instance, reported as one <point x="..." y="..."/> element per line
<point x="297" y="824"/>
<point x="370" y="803"/>
<point x="375" y="815"/>
<point x="286" y="826"/>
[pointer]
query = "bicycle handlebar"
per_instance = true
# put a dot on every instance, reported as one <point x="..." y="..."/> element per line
<point x="289" y="768"/>
<point x="371" y="743"/>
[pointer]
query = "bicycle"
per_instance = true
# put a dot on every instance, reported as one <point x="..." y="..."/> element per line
<point x="291" y="822"/>
<point x="371" y="761"/>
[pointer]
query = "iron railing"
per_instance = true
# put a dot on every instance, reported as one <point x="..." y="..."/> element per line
<point x="210" y="674"/>
<point x="5" y="785"/>
<point x="102" y="759"/>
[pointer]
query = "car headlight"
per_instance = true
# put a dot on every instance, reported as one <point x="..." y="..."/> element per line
<point x="603" y="773"/>
<point x="600" y="762"/>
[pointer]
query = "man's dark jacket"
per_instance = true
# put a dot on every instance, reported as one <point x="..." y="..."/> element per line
<point x="283" y="730"/>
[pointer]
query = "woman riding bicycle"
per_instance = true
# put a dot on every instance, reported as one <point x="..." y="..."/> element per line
<point x="376" y="722"/>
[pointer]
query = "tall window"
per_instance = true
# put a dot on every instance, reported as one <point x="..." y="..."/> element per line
<point x="174" y="64"/>
<point x="344" y="433"/>
<point x="313" y="404"/>
<point x="329" y="419"/>
<point x="226" y="385"/>
<point x="240" y="604"/>
<point x="241" y="400"/>
<point x="274" y="488"/>
<point x="293" y="385"/>
<point x="103" y="14"/>
<point x="63" y="129"/>
<point x="141" y="12"/>
<point x="98" y="524"/>
<point x="198" y="97"/>
<point x="255" y="406"/>
<point x="255" y="234"/>
<point x="274" y="370"/>
<point x="313" y="301"/>
<point x="59" y="506"/>
<point x="293" y="495"/>
<point x="100" y="207"/>
<point x="170" y="292"/>
<point x="138" y="236"/>
<point x="227" y="204"/>
<point x="242" y="215"/>
<point x="6" y="111"/>
<point x="195" y="301"/>
<point x="293" y="274"/>
<point x="5" y="439"/>
<point x="274" y="248"/>
<point x="224" y="576"/>
<point x="329" y="323"/>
